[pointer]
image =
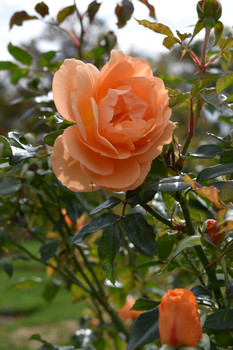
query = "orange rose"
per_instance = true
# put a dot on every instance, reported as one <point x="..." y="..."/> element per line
<point x="126" y="313"/>
<point x="213" y="230"/>
<point x="122" y="118"/>
<point x="179" y="320"/>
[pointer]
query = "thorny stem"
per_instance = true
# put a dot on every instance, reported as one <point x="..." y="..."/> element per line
<point x="204" y="50"/>
<point x="81" y="37"/>
<point x="202" y="256"/>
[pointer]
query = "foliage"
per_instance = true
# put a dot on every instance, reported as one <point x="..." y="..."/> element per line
<point x="103" y="247"/>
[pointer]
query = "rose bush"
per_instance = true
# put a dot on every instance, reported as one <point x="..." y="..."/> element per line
<point x="122" y="122"/>
<point x="179" y="320"/>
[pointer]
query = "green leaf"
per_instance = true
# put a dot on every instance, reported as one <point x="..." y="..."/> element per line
<point x="51" y="289"/>
<point x="46" y="57"/>
<point x="212" y="98"/>
<point x="7" y="152"/>
<point x="99" y="222"/>
<point x="65" y="12"/>
<point x="42" y="9"/>
<point x="220" y="320"/>
<point x="215" y="171"/>
<point x="108" y="248"/>
<point x="48" y="250"/>
<point x="206" y="151"/>
<point x="204" y="82"/>
<point x="188" y="242"/>
<point x="223" y="82"/>
<point x="22" y="152"/>
<point x="176" y="97"/>
<point x="9" y="186"/>
<point x="92" y="9"/>
<point x="19" y="17"/>
<point x="124" y="12"/>
<point x="38" y="337"/>
<point x="109" y="203"/>
<point x="143" y="304"/>
<point x="18" y="74"/>
<point x="226" y="193"/>
<point x="139" y="232"/>
<point x="218" y="30"/>
<point x="182" y="36"/>
<point x="157" y="27"/>
<point x="20" y="54"/>
<point x="7" y="65"/>
<point x="50" y="138"/>
<point x="145" y="329"/>
<point x="170" y="184"/>
<point x="164" y="245"/>
<point x="169" y="42"/>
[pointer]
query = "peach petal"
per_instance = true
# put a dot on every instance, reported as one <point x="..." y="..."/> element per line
<point x="86" y="77"/>
<point x="135" y="106"/>
<point x="68" y="170"/>
<point x="84" y="155"/>
<point x="64" y="83"/>
<point x="125" y="173"/>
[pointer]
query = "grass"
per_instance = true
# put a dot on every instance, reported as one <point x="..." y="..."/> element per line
<point x="24" y="311"/>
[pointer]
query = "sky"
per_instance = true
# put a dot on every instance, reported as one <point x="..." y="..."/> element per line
<point x="177" y="14"/>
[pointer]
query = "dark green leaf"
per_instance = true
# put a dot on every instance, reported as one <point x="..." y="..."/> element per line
<point x="48" y="250"/>
<point x="226" y="193"/>
<point x="203" y="295"/>
<point x="108" y="248"/>
<point x="5" y="238"/>
<point x="224" y="81"/>
<point x="187" y="242"/>
<point x="38" y="337"/>
<point x="19" y="17"/>
<point x="215" y="171"/>
<point x="51" y="290"/>
<point x="212" y="98"/>
<point x="22" y="152"/>
<point x="206" y="151"/>
<point x="8" y="186"/>
<point x="7" y="65"/>
<point x="143" y="304"/>
<point x="20" y="54"/>
<point x="145" y="329"/>
<point x="7" y="267"/>
<point x="164" y="245"/>
<point x="92" y="9"/>
<point x="220" y="320"/>
<point x="157" y="28"/>
<point x="204" y="82"/>
<point x="50" y="138"/>
<point x="170" y="184"/>
<point x="139" y="232"/>
<point x="74" y="210"/>
<point x="109" y="203"/>
<point x="99" y="222"/>
<point x="65" y="12"/>
<point x="42" y="9"/>
<point x="124" y="12"/>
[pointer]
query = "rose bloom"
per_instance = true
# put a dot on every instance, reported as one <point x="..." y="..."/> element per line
<point x="179" y="320"/>
<point x="213" y="230"/>
<point x="126" y="313"/>
<point x="122" y="122"/>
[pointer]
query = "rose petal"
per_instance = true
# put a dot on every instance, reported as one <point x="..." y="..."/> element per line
<point x="126" y="172"/>
<point x="84" y="155"/>
<point x="68" y="170"/>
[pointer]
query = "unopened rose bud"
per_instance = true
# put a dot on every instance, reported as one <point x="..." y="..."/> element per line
<point x="212" y="228"/>
<point x="209" y="12"/>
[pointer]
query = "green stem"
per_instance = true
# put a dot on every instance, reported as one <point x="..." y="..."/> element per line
<point x="204" y="50"/>
<point x="202" y="256"/>
<point x="194" y="269"/>
<point x="157" y="216"/>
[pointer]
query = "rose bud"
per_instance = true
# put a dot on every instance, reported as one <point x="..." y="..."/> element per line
<point x="212" y="228"/>
<point x="179" y="320"/>
<point x="121" y="122"/>
<point x="209" y="12"/>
